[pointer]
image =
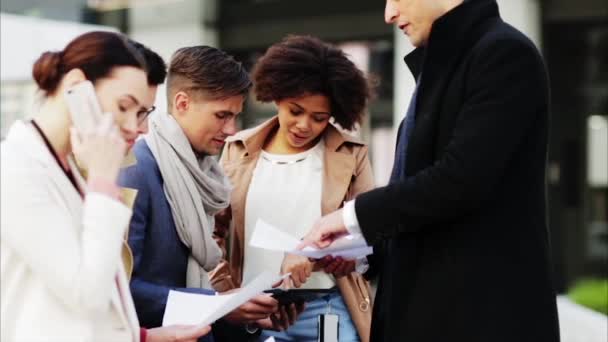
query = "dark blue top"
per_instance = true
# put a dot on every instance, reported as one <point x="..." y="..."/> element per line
<point x="160" y="258"/>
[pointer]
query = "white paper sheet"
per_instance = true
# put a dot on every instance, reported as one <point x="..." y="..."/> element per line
<point x="194" y="309"/>
<point x="350" y="246"/>
<point x="266" y="236"/>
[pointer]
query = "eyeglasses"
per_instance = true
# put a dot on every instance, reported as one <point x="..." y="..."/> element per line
<point x="142" y="115"/>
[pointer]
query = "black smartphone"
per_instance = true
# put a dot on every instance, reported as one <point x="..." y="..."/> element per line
<point x="285" y="297"/>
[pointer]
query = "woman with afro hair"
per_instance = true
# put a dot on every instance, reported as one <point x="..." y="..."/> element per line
<point x="291" y="170"/>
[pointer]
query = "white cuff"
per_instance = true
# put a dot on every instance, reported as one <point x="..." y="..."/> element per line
<point x="349" y="216"/>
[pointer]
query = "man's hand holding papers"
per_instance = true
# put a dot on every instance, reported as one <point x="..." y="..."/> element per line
<point x="325" y="231"/>
<point x="347" y="246"/>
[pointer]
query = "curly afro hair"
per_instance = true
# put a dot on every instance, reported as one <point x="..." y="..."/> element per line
<point x="301" y="65"/>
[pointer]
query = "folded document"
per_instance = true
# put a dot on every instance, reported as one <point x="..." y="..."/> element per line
<point x="352" y="246"/>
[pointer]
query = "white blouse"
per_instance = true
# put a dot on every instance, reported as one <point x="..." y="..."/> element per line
<point x="285" y="191"/>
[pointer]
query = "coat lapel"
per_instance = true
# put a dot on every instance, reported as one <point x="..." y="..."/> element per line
<point x="240" y="171"/>
<point x="128" y="197"/>
<point x="337" y="173"/>
<point x="35" y="148"/>
<point x="338" y="170"/>
<point x="70" y="195"/>
<point x="451" y="37"/>
<point x="240" y="174"/>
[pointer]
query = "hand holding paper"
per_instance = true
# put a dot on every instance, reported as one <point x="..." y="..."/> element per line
<point x="347" y="246"/>
<point x="257" y="308"/>
<point x="300" y="268"/>
<point x="196" y="309"/>
<point x="326" y="230"/>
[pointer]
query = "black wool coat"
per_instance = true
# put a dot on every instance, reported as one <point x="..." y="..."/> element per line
<point x="462" y="245"/>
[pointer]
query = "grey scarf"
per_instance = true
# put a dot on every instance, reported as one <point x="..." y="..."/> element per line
<point x="196" y="189"/>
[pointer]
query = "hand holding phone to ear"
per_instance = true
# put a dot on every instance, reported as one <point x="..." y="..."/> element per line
<point x="96" y="141"/>
<point x="100" y="150"/>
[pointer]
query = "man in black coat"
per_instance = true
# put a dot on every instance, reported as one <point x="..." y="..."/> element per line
<point x="460" y="232"/>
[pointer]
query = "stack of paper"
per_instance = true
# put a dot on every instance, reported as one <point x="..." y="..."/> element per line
<point x="194" y="309"/>
<point x="350" y="246"/>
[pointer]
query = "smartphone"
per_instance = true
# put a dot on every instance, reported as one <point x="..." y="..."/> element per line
<point x="286" y="297"/>
<point x="84" y="106"/>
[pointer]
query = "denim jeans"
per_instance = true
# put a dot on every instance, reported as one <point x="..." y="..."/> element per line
<point x="306" y="327"/>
